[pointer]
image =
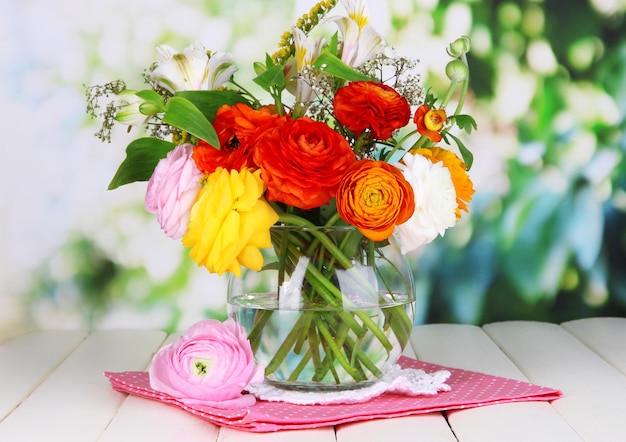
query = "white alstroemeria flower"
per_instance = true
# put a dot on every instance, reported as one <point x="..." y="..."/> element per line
<point x="435" y="202"/>
<point x="192" y="69"/>
<point x="306" y="52"/>
<point x="361" y="42"/>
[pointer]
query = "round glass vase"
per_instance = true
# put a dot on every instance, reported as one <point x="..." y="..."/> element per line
<point x="330" y="310"/>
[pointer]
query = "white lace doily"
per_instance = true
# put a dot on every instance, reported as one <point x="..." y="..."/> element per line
<point x="406" y="381"/>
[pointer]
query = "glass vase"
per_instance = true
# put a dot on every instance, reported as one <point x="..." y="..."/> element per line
<point x="330" y="310"/>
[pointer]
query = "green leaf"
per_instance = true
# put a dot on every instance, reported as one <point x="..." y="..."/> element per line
<point x="466" y="123"/>
<point x="259" y="67"/>
<point x="208" y="102"/>
<point x="150" y="95"/>
<point x="430" y="99"/>
<point x="184" y="115"/>
<point x="332" y="65"/>
<point x="273" y="77"/>
<point x="142" y="156"/>
<point x="468" y="157"/>
<point x="153" y="104"/>
<point x="333" y="45"/>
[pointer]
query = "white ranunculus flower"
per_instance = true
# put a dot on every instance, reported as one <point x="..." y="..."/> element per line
<point x="192" y="69"/>
<point x="435" y="202"/>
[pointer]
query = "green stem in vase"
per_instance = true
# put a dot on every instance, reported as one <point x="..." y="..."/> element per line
<point x="401" y="325"/>
<point x="328" y="365"/>
<point x="328" y="292"/>
<point x="260" y="320"/>
<point x="332" y="295"/>
<point x="314" y="349"/>
<point x="332" y="345"/>
<point x="306" y="357"/>
<point x="297" y="348"/>
<point x="285" y="346"/>
<point x="331" y="342"/>
<point x="353" y="347"/>
<point x="321" y="236"/>
<point x="341" y="333"/>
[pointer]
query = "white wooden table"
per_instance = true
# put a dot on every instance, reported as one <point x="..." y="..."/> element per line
<point x="52" y="388"/>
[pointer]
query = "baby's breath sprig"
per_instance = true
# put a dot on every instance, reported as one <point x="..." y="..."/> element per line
<point x="319" y="108"/>
<point x="398" y="72"/>
<point x="94" y="94"/>
<point x="306" y="22"/>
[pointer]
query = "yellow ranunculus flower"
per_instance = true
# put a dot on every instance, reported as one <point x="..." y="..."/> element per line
<point x="229" y="222"/>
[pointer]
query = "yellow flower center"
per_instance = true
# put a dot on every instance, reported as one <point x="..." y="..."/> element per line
<point x="201" y="366"/>
<point x="435" y="119"/>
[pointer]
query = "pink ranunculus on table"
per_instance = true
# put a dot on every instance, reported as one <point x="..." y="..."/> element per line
<point x="210" y="364"/>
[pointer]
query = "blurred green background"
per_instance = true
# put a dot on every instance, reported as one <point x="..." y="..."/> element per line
<point x="546" y="235"/>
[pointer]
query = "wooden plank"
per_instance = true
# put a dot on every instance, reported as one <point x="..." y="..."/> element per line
<point x="430" y="427"/>
<point x="141" y="419"/>
<point x="550" y="355"/>
<point x="324" y="434"/>
<point x="144" y="420"/>
<point x="470" y="348"/>
<point x="462" y="346"/>
<point x="605" y="336"/>
<point x="25" y="361"/>
<point x="76" y="402"/>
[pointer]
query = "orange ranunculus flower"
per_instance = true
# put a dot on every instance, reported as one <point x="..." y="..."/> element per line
<point x="460" y="178"/>
<point x="302" y="162"/>
<point x="430" y="121"/>
<point x="362" y="105"/>
<point x="374" y="196"/>
<point x="237" y="128"/>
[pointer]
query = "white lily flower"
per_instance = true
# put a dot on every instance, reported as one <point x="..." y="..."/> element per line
<point x="435" y="202"/>
<point x="306" y="52"/>
<point x="361" y="42"/>
<point x="192" y="69"/>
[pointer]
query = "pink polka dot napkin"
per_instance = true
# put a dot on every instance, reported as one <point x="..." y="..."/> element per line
<point x="468" y="389"/>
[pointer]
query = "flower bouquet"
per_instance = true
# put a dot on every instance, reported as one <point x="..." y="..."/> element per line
<point x="317" y="184"/>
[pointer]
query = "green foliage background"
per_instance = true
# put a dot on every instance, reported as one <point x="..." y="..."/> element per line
<point x="553" y="246"/>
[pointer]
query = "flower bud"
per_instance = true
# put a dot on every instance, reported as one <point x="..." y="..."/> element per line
<point x="456" y="70"/>
<point x="150" y="108"/>
<point x="259" y="67"/>
<point x="459" y="47"/>
<point x="127" y="104"/>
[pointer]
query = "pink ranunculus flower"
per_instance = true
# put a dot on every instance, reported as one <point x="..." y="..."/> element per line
<point x="210" y="364"/>
<point x="173" y="189"/>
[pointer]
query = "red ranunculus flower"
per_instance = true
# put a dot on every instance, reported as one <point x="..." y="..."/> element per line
<point x="374" y="196"/>
<point x="430" y="122"/>
<point x="237" y="128"/>
<point x="302" y="162"/>
<point x="369" y="105"/>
